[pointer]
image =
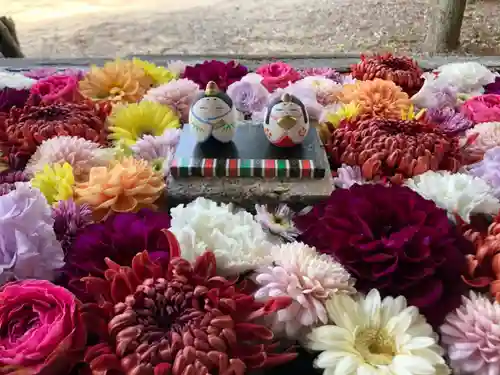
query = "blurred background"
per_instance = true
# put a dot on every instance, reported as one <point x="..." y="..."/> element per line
<point x="79" y="28"/>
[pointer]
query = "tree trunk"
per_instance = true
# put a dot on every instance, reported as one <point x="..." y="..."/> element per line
<point x="9" y="43"/>
<point x="446" y="22"/>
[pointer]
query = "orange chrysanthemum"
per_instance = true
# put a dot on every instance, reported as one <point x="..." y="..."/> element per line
<point x="377" y="98"/>
<point x="126" y="186"/>
<point x="117" y="81"/>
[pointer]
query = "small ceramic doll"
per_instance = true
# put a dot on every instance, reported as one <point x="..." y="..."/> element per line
<point x="212" y="114"/>
<point x="286" y="123"/>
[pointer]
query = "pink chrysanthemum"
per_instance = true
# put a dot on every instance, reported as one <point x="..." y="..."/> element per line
<point x="80" y="153"/>
<point x="348" y="176"/>
<point x="177" y="94"/>
<point x="309" y="279"/>
<point x="472" y="336"/>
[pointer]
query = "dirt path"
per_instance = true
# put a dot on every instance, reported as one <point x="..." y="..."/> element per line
<point x="62" y="28"/>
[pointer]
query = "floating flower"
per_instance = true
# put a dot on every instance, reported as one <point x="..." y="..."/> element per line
<point x="309" y="278"/>
<point x="458" y="193"/>
<point x="26" y="128"/>
<point x="80" y="153"/>
<point x="237" y="240"/>
<point x="484" y="108"/>
<point x="151" y="148"/>
<point x="57" y="88"/>
<point x="55" y="182"/>
<point x="43" y="329"/>
<point x="29" y="248"/>
<point x="393" y="150"/>
<point x="448" y="120"/>
<point x="376" y="336"/>
<point x="278" y="222"/>
<point x="177" y="94"/>
<point x="120" y="237"/>
<point x="488" y="169"/>
<point x="401" y="70"/>
<point x="323" y="72"/>
<point x="393" y="240"/>
<point x="277" y="75"/>
<point x="223" y="74"/>
<point x="341" y="113"/>
<point x="177" y="67"/>
<point x="117" y="81"/>
<point x="69" y="218"/>
<point x="14" y="90"/>
<point x="41" y="73"/>
<point x="131" y="122"/>
<point x="126" y="186"/>
<point x="411" y="114"/>
<point x="377" y="98"/>
<point x="327" y="91"/>
<point x="348" y="176"/>
<point x="466" y="77"/>
<point x="248" y="97"/>
<point x="8" y="180"/>
<point x="179" y="319"/>
<point x="435" y="94"/>
<point x="494" y="87"/>
<point x="484" y="137"/>
<point x="471" y="335"/>
<point x="158" y="74"/>
<point x="483" y="271"/>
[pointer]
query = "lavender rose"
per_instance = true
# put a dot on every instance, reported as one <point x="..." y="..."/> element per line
<point x="248" y="97"/>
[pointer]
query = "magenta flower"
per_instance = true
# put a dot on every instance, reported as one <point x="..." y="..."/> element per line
<point x="223" y="74"/>
<point x="57" y="88"/>
<point x="69" y="218"/>
<point x="277" y="75"/>
<point x="483" y="108"/>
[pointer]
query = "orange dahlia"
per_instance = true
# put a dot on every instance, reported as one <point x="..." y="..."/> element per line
<point x="126" y="186"/>
<point x="377" y="98"/>
<point x="117" y="81"/>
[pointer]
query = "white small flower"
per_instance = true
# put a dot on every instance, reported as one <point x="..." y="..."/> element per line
<point x="15" y="81"/>
<point x="277" y="223"/>
<point x="309" y="279"/>
<point x="371" y="336"/>
<point x="459" y="194"/>
<point x="237" y="240"/>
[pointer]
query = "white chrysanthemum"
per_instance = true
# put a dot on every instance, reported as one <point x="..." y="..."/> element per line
<point x="467" y="77"/>
<point x="80" y="153"/>
<point x="237" y="240"/>
<point x="309" y="278"/>
<point x="458" y="193"/>
<point x="371" y="336"/>
<point x="15" y="81"/>
<point x="326" y="90"/>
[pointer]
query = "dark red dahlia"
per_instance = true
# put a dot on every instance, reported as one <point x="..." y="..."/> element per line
<point x="119" y="238"/>
<point x="402" y="70"/>
<point x="179" y="319"/>
<point x="392" y="239"/>
<point x="26" y="128"/>
<point x="393" y="149"/>
<point x="223" y="74"/>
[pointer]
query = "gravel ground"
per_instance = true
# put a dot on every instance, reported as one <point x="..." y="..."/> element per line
<point x="254" y="26"/>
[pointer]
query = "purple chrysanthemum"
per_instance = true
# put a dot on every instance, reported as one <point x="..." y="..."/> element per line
<point x="449" y="120"/>
<point x="68" y="219"/>
<point x="488" y="169"/>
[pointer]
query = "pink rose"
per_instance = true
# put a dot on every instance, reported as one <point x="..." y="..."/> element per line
<point x="58" y="88"/>
<point x="277" y="75"/>
<point x="41" y="328"/>
<point x="484" y="108"/>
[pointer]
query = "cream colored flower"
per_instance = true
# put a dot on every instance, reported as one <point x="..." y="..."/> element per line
<point x="371" y="336"/>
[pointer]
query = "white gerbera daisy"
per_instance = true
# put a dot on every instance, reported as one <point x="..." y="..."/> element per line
<point x="460" y="194"/>
<point x="237" y="240"/>
<point x="372" y="336"/>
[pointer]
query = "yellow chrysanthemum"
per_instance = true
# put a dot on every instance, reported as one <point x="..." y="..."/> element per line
<point x="158" y="74"/>
<point x="130" y="122"/>
<point x="411" y="115"/>
<point x="345" y="112"/>
<point x="55" y="182"/>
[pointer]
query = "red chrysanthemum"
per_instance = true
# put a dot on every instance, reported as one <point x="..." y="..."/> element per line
<point x="223" y="74"/>
<point x="402" y="70"/>
<point x="26" y="128"/>
<point x="393" y="149"/>
<point x="182" y="319"/>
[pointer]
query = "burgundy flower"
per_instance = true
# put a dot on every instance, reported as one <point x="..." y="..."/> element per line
<point x="119" y="238"/>
<point x="26" y="128"/>
<point x="402" y="70"/>
<point x="179" y="319"/>
<point x="393" y="240"/>
<point x="493" y="88"/>
<point x="223" y="74"/>
<point x="10" y="97"/>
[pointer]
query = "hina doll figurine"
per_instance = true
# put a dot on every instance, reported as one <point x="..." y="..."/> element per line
<point x="286" y="122"/>
<point x="212" y="114"/>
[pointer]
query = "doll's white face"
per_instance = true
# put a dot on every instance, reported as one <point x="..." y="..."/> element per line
<point x="287" y="109"/>
<point x="210" y="108"/>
